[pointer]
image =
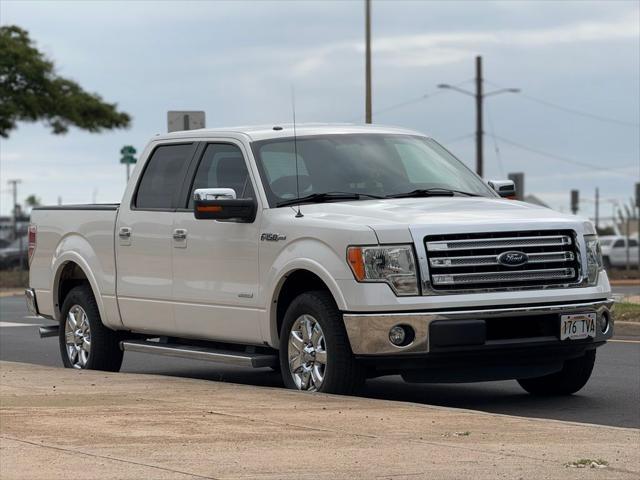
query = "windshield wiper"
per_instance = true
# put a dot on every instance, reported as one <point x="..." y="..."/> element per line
<point x="326" y="197"/>
<point x="432" y="192"/>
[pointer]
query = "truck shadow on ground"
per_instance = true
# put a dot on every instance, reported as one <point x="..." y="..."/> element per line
<point x="504" y="397"/>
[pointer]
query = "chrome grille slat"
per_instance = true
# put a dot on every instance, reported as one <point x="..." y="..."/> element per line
<point x="482" y="260"/>
<point x="513" y="276"/>
<point x="475" y="261"/>
<point x="516" y="242"/>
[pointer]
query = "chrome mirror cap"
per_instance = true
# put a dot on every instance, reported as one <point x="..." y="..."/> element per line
<point x="214" y="194"/>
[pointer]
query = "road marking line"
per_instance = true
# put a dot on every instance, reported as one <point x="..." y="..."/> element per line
<point x="15" y="324"/>
<point x="625" y="341"/>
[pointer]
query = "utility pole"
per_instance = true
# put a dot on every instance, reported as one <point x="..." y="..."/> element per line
<point x="367" y="29"/>
<point x="479" y="97"/>
<point x="479" y="131"/>
<point x="597" y="208"/>
<point x="14" y="188"/>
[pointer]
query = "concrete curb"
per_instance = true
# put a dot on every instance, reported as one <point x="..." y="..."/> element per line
<point x="145" y="426"/>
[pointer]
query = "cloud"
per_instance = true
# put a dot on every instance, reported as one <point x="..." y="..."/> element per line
<point x="420" y="50"/>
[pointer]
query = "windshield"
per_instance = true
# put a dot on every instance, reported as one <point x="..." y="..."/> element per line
<point x="367" y="164"/>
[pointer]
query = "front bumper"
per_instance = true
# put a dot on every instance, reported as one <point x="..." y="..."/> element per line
<point x="506" y="327"/>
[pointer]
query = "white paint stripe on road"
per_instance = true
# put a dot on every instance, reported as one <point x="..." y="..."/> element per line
<point x="16" y="324"/>
<point x="625" y="341"/>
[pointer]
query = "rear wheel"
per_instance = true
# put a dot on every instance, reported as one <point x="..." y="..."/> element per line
<point x="574" y="375"/>
<point x="315" y="354"/>
<point x="85" y="343"/>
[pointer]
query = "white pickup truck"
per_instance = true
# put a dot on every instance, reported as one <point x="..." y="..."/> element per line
<point x="332" y="253"/>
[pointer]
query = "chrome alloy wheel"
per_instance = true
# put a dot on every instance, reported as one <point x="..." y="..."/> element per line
<point x="77" y="335"/>
<point x="307" y="353"/>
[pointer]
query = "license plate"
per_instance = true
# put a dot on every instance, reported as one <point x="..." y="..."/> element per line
<point x="577" y="326"/>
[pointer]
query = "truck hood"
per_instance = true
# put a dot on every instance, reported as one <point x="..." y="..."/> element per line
<point x="394" y="219"/>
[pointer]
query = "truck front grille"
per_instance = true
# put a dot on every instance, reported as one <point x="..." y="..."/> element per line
<point x="477" y="260"/>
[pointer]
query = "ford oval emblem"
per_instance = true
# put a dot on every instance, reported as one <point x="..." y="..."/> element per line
<point x="513" y="259"/>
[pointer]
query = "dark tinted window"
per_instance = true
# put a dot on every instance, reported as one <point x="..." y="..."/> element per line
<point x="223" y="166"/>
<point x="163" y="176"/>
<point x="618" y="244"/>
<point x="633" y="242"/>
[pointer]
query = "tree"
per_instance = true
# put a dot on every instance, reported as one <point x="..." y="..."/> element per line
<point x="32" y="201"/>
<point x="31" y="91"/>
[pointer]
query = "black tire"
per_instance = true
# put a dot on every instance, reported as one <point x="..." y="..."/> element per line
<point x="343" y="375"/>
<point x="104" y="353"/>
<point x="574" y="375"/>
<point x="606" y="262"/>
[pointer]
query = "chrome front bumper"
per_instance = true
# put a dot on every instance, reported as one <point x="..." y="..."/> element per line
<point x="369" y="333"/>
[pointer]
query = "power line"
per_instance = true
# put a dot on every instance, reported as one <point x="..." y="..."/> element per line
<point x="560" y="158"/>
<point x="495" y="142"/>
<point x="412" y="101"/>
<point x="574" y="111"/>
<point x="458" y="139"/>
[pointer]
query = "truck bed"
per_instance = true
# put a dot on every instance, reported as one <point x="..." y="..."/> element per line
<point x="83" y="234"/>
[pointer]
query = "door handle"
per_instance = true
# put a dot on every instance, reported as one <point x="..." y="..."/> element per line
<point x="179" y="234"/>
<point x="124" y="233"/>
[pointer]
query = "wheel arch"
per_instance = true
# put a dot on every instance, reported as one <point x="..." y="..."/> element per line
<point x="297" y="280"/>
<point x="71" y="270"/>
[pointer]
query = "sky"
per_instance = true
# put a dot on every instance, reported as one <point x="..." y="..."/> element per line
<point x="575" y="124"/>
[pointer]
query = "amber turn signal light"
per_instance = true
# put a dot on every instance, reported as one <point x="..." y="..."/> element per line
<point x="356" y="262"/>
<point x="212" y="208"/>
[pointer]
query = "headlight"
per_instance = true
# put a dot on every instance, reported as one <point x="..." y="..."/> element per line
<point x="391" y="264"/>
<point x="594" y="258"/>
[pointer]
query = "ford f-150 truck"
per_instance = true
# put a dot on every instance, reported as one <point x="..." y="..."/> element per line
<point x="332" y="253"/>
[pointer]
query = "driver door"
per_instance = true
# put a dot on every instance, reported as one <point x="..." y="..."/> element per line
<point x="215" y="262"/>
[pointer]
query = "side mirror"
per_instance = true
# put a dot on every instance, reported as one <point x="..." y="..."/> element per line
<point x="222" y="204"/>
<point x="504" y="188"/>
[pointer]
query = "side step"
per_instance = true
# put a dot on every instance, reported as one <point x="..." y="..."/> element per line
<point x="228" y="357"/>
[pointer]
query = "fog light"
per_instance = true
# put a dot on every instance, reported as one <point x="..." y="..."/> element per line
<point x="397" y="335"/>
<point x="604" y="322"/>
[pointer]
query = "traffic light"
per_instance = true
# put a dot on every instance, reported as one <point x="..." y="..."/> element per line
<point x="575" y="201"/>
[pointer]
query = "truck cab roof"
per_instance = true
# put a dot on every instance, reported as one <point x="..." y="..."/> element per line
<point x="282" y="130"/>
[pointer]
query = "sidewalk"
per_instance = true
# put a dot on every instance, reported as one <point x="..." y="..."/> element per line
<point x="56" y="423"/>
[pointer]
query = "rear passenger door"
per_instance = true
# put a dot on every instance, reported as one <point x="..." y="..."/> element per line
<point x="215" y="262"/>
<point x="144" y="241"/>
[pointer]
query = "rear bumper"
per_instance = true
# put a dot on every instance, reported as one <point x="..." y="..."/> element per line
<point x="32" y="302"/>
<point x="506" y="328"/>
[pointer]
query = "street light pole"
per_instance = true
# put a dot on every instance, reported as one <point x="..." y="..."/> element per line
<point x="479" y="126"/>
<point x="367" y="29"/>
<point x="479" y="97"/>
<point x="14" y="188"/>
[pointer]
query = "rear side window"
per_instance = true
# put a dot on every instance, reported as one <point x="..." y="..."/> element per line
<point x="163" y="176"/>
<point x="618" y="244"/>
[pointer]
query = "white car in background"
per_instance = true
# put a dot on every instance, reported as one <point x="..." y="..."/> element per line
<point x="614" y="251"/>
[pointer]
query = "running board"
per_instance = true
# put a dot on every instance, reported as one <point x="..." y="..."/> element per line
<point x="49" y="331"/>
<point x="228" y="357"/>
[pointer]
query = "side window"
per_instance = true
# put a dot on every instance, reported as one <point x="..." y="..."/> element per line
<point x="223" y="166"/>
<point x="633" y="242"/>
<point x="619" y="243"/>
<point x="163" y="176"/>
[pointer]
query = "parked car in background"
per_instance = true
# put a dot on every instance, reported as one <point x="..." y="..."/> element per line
<point x="14" y="254"/>
<point x="614" y="251"/>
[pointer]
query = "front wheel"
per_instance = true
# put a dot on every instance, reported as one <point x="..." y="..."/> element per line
<point x="574" y="375"/>
<point x="85" y="343"/>
<point x="315" y="354"/>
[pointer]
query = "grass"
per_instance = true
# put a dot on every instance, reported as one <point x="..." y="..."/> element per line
<point x="627" y="312"/>
<point x="14" y="278"/>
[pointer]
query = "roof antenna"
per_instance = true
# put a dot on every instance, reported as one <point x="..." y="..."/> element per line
<point x="295" y="150"/>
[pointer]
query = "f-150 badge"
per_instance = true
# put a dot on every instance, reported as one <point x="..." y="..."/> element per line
<point x="272" y="237"/>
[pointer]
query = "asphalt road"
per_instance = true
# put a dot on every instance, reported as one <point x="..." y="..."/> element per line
<point x="612" y="396"/>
